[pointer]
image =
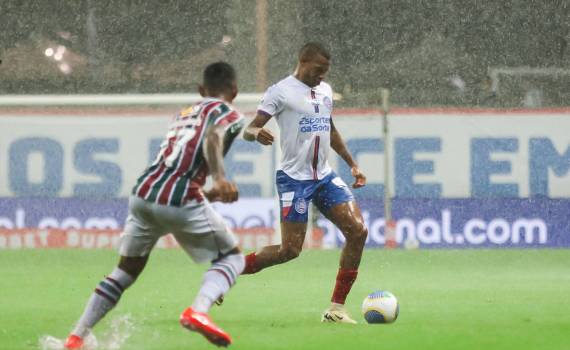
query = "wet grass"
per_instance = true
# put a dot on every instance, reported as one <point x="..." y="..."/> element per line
<point x="470" y="299"/>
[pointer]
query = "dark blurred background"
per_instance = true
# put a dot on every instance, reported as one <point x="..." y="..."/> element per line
<point x="510" y="53"/>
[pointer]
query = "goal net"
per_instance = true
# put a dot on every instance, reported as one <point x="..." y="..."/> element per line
<point x="531" y="87"/>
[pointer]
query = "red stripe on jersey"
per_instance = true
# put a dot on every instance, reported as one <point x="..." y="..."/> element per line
<point x="188" y="155"/>
<point x="316" y="157"/>
<point x="167" y="187"/>
<point x="228" y="119"/>
<point x="183" y="165"/>
<point x="143" y="190"/>
<point x="314" y="97"/>
<point x="193" y="191"/>
<point x="152" y="177"/>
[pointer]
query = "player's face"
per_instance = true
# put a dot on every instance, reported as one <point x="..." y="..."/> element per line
<point x="315" y="70"/>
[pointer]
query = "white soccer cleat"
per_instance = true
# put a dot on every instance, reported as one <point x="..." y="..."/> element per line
<point x="336" y="313"/>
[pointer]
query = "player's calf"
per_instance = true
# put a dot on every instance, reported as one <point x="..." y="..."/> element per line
<point x="354" y="246"/>
<point x="218" y="280"/>
<point x="269" y="256"/>
<point x="287" y="253"/>
<point x="104" y="298"/>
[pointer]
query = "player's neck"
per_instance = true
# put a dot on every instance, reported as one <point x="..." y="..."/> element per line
<point x="223" y="97"/>
<point x="297" y="76"/>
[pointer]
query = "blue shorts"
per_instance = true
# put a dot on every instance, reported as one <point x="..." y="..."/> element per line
<point x="296" y="195"/>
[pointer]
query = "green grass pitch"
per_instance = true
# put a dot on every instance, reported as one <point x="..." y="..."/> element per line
<point x="470" y="299"/>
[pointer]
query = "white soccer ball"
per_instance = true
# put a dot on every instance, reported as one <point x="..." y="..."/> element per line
<point x="380" y="307"/>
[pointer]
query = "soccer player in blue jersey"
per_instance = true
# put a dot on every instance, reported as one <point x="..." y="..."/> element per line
<point x="168" y="198"/>
<point x="302" y="104"/>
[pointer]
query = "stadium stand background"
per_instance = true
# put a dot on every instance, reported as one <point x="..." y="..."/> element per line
<point x="435" y="53"/>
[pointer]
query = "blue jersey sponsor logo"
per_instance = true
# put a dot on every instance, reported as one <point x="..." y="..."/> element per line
<point x="314" y="124"/>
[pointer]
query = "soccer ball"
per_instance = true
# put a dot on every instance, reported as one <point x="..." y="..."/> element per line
<point x="380" y="307"/>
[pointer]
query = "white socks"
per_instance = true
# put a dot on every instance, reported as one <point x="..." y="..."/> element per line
<point x="105" y="297"/>
<point x="218" y="280"/>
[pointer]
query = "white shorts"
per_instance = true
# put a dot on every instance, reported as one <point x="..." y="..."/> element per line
<point x="197" y="227"/>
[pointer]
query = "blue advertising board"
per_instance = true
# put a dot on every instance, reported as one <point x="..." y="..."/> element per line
<point x="433" y="223"/>
<point x="468" y="223"/>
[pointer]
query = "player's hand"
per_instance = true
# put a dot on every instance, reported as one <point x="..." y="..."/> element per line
<point x="265" y="137"/>
<point x="359" y="178"/>
<point x="212" y="195"/>
<point x="223" y="191"/>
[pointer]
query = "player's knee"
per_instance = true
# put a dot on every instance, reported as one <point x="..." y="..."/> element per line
<point x="132" y="270"/>
<point x="289" y="252"/>
<point x="358" y="234"/>
<point x="362" y="234"/>
<point x="133" y="265"/>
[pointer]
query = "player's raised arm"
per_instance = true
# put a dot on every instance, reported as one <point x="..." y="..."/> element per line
<point x="222" y="190"/>
<point x="255" y="131"/>
<point x="337" y="143"/>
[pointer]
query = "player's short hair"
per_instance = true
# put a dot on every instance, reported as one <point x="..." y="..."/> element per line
<point x="313" y="49"/>
<point x="219" y="77"/>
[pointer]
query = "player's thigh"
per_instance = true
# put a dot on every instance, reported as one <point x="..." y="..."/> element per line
<point x="348" y="218"/>
<point x="141" y="231"/>
<point x="205" y="236"/>
<point x="332" y="192"/>
<point x="335" y="200"/>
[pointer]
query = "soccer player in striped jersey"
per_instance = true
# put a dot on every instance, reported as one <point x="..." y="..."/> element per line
<point x="302" y="107"/>
<point x="168" y="198"/>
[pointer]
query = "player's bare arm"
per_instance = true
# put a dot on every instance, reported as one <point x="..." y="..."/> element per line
<point x="255" y="131"/>
<point x="222" y="190"/>
<point x="338" y="145"/>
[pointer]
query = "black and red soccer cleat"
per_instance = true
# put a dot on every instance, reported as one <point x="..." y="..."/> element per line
<point x="200" y="322"/>
<point x="73" y="342"/>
